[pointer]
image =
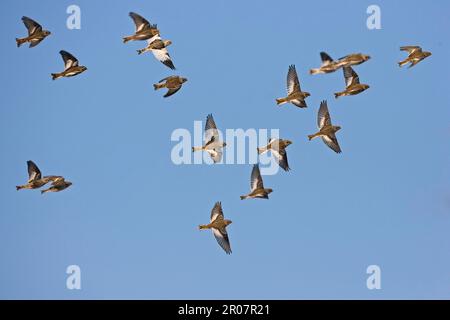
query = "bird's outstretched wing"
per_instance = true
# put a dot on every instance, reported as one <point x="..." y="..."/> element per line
<point x="292" y="80"/>
<point x="323" y="116"/>
<point x="141" y="23"/>
<point x="163" y="56"/>
<point x="351" y="77"/>
<point x="326" y="59"/>
<point x="69" y="59"/>
<point x="221" y="236"/>
<point x="281" y="157"/>
<point x="33" y="171"/>
<point x="256" y="181"/>
<point x="332" y="142"/>
<point x="411" y="49"/>
<point x="211" y="129"/>
<point x="216" y="211"/>
<point x="171" y="92"/>
<point x="31" y="25"/>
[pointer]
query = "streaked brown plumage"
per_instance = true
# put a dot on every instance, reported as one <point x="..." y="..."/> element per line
<point x="352" y="59"/>
<point x="415" y="55"/>
<point x="58" y="184"/>
<point x="218" y="226"/>
<point x="71" y="67"/>
<point x="213" y="145"/>
<point x="327" y="131"/>
<point x="328" y="65"/>
<point x="35" y="33"/>
<point x="144" y="30"/>
<point x="352" y="83"/>
<point x="278" y="149"/>
<point x="35" y="179"/>
<point x="173" y="83"/>
<point x="295" y="94"/>
<point x="256" y="186"/>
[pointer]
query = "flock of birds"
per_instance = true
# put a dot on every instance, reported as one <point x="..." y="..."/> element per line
<point x="213" y="145"/>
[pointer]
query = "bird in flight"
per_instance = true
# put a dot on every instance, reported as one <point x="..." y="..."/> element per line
<point x="35" y="33"/>
<point x="352" y="83"/>
<point x="328" y="65"/>
<point x="71" y="67"/>
<point x="352" y="60"/>
<point x="58" y="185"/>
<point x="327" y="131"/>
<point x="278" y="149"/>
<point x="159" y="49"/>
<point x="213" y="145"/>
<point x="218" y="225"/>
<point x="144" y="30"/>
<point x="173" y="83"/>
<point x="257" y="189"/>
<point x="295" y="95"/>
<point x="415" y="55"/>
<point x="35" y="179"/>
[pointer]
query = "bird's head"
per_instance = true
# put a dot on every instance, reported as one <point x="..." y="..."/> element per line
<point x="167" y="43"/>
<point x="227" y="222"/>
<point x="68" y="183"/>
<point x="365" y="57"/>
<point x="287" y="142"/>
<point x="269" y="190"/>
<point x="224" y="144"/>
<point x="426" y="53"/>
<point x="83" y="68"/>
<point x="307" y="94"/>
<point x="337" y="128"/>
<point x="183" y="80"/>
<point x="365" y="86"/>
<point x="47" y="33"/>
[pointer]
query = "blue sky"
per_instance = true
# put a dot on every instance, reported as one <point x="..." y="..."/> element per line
<point x="130" y="219"/>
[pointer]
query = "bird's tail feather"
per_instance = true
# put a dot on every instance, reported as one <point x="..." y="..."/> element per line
<point x="311" y="136"/>
<point x="202" y="227"/>
<point x="140" y="51"/>
<point x="55" y="76"/>
<point x="197" y="149"/>
<point x="244" y="197"/>
<point x="19" y="187"/>
<point x="314" y="71"/>
<point x="280" y="101"/>
<point x="158" y="86"/>
<point x="19" y="42"/>
<point x="402" y="63"/>
<point x="261" y="150"/>
<point x="337" y="94"/>
<point x="126" y="39"/>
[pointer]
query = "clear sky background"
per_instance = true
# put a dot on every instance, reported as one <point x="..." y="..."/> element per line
<point x="130" y="219"/>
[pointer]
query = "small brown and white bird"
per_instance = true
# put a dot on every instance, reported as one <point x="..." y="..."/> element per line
<point x="173" y="83"/>
<point x="35" y="179"/>
<point x="257" y="189"/>
<point x="328" y="65"/>
<point x="415" y="55"/>
<point x="213" y="145"/>
<point x="144" y="30"/>
<point x="58" y="185"/>
<point x="278" y="149"/>
<point x="352" y="83"/>
<point x="71" y="67"/>
<point x="327" y="131"/>
<point x="295" y="94"/>
<point x="159" y="49"/>
<point x="218" y="226"/>
<point x="35" y="33"/>
<point x="352" y="60"/>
